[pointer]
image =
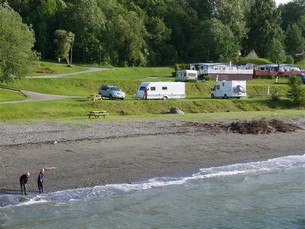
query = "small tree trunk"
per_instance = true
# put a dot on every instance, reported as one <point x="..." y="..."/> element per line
<point x="68" y="61"/>
<point x="71" y="55"/>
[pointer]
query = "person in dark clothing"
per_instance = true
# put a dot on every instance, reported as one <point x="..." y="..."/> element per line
<point x="40" y="178"/>
<point x="23" y="181"/>
<point x="40" y="181"/>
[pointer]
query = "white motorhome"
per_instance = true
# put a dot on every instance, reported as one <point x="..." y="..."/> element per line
<point x="229" y="89"/>
<point x="186" y="75"/>
<point x="162" y="90"/>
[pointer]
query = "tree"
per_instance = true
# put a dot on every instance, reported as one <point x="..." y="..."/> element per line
<point x="86" y="20"/>
<point x="264" y="27"/>
<point x="125" y="36"/>
<point x="291" y="13"/>
<point x="64" y="41"/>
<point x="158" y="35"/>
<point x="276" y="52"/>
<point x="232" y="13"/>
<point x="294" y="40"/>
<point x="16" y="43"/>
<point x="183" y="22"/>
<point x="296" y="93"/>
<point x="42" y="16"/>
<point x="214" y="42"/>
<point x="126" y="39"/>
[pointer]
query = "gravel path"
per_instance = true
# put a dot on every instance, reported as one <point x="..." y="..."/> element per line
<point x="15" y="134"/>
<point x="36" y="96"/>
<point x="69" y="74"/>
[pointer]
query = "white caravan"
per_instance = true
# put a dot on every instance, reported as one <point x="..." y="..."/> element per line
<point x="162" y="90"/>
<point x="186" y="75"/>
<point x="229" y="89"/>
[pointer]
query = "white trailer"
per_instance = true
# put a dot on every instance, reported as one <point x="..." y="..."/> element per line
<point x="229" y="89"/>
<point x="161" y="90"/>
<point x="186" y="75"/>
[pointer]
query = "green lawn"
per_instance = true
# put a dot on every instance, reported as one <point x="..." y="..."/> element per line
<point x="10" y="95"/>
<point x="198" y="101"/>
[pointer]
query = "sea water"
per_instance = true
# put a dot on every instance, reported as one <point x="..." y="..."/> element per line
<point x="267" y="194"/>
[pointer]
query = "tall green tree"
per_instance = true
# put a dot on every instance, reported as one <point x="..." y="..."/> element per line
<point x="263" y="22"/>
<point x="126" y="40"/>
<point x="126" y="35"/>
<point x="64" y="41"/>
<point x="276" y="52"/>
<point x="159" y="51"/>
<point x="86" y="20"/>
<point x="183" y="22"/>
<point x="16" y="43"/>
<point x="291" y="13"/>
<point x="158" y="36"/>
<point x="215" y="42"/>
<point x="42" y="16"/>
<point x="294" y="40"/>
<point x="232" y="13"/>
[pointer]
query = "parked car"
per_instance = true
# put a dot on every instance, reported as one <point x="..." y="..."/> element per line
<point x="111" y="91"/>
<point x="302" y="75"/>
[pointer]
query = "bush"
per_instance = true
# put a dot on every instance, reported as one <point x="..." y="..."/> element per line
<point x="296" y="93"/>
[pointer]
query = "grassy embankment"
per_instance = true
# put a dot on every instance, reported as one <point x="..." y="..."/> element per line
<point x="196" y="105"/>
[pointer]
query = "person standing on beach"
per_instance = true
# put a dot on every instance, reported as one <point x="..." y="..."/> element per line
<point x="23" y="181"/>
<point x="41" y="178"/>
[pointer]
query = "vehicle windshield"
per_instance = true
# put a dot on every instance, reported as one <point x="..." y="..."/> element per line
<point x="114" y="89"/>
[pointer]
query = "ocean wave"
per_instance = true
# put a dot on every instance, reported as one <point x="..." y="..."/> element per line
<point x="119" y="189"/>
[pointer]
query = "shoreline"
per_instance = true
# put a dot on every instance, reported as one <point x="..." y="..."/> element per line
<point x="128" y="152"/>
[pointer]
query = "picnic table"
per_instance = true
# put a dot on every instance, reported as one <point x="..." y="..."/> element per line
<point x="97" y="114"/>
<point x="95" y="97"/>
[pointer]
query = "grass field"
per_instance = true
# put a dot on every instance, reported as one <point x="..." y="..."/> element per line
<point x="198" y="101"/>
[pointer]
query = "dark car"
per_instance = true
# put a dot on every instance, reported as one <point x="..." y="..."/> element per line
<point x="111" y="91"/>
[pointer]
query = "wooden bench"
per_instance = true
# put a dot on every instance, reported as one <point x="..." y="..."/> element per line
<point x="97" y="114"/>
<point x="95" y="97"/>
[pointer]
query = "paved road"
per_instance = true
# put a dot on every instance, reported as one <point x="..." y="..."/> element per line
<point x="36" y="96"/>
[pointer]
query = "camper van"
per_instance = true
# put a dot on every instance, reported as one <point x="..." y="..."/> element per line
<point x="161" y="90"/>
<point x="229" y="89"/>
<point x="186" y="75"/>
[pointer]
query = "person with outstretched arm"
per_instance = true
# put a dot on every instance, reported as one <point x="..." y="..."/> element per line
<point x="40" y="178"/>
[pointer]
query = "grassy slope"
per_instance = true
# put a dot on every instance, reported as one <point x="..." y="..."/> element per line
<point x="197" y="102"/>
<point x="51" y="68"/>
<point x="10" y="96"/>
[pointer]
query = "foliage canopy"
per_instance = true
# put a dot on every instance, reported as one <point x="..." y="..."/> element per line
<point x="165" y="32"/>
<point x="16" y="43"/>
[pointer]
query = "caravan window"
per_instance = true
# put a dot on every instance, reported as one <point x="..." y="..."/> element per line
<point x="153" y="88"/>
<point x="164" y="88"/>
<point x="218" y="87"/>
<point x="142" y="88"/>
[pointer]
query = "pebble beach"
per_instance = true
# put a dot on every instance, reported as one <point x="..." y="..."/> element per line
<point x="92" y="153"/>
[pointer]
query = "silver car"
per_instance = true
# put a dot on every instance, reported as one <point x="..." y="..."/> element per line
<point x="112" y="92"/>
